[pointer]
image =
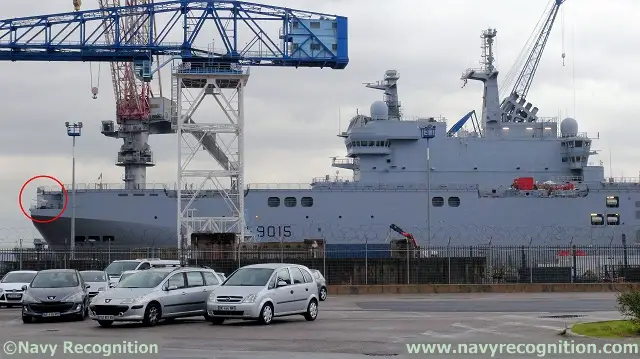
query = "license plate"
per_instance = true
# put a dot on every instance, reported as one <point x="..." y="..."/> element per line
<point x="227" y="308"/>
<point x="14" y="296"/>
<point x="50" y="315"/>
<point x="106" y="317"/>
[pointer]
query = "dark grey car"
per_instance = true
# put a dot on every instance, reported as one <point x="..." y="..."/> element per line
<point x="55" y="293"/>
<point x="322" y="284"/>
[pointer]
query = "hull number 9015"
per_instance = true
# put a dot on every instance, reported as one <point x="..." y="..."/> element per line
<point x="274" y="231"/>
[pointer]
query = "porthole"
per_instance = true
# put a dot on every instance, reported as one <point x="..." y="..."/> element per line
<point x="613" y="202"/>
<point x="454" y="201"/>
<point x="290" y="202"/>
<point x="273" y="202"/>
<point x="613" y="219"/>
<point x="306" y="201"/>
<point x="597" y="219"/>
<point x="437" y="201"/>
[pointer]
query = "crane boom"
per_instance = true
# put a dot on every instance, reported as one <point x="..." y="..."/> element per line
<point x="523" y="83"/>
<point x="243" y="30"/>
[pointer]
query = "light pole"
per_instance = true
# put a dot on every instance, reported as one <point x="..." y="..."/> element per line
<point x="73" y="130"/>
<point x="428" y="133"/>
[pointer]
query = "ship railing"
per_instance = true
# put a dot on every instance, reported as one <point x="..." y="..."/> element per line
<point x="281" y="186"/>
<point x="616" y="180"/>
<point x="562" y="179"/>
<point x="345" y="161"/>
<point x="329" y="179"/>
<point x="103" y="187"/>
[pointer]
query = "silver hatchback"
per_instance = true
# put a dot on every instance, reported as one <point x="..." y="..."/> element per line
<point x="264" y="291"/>
<point x="154" y="294"/>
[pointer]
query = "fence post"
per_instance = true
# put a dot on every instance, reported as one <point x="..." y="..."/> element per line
<point x="281" y="250"/>
<point x="366" y="260"/>
<point x="20" y="253"/>
<point x="531" y="261"/>
<point x="324" y="259"/>
<point x="449" y="261"/>
<point x="407" y="248"/>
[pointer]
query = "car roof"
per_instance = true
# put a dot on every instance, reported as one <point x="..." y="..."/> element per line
<point x="92" y="270"/>
<point x="23" y="271"/>
<point x="58" y="271"/>
<point x="273" y="265"/>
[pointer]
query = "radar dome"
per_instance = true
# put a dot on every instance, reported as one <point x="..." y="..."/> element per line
<point x="379" y="111"/>
<point x="569" y="127"/>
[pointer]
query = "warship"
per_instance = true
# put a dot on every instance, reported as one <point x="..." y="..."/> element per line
<point x="506" y="177"/>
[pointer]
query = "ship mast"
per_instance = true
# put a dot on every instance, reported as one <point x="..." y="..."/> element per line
<point x="390" y="87"/>
<point x="489" y="76"/>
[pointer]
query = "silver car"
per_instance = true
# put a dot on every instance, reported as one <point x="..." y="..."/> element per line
<point x="97" y="280"/>
<point x="154" y="294"/>
<point x="322" y="284"/>
<point x="264" y="291"/>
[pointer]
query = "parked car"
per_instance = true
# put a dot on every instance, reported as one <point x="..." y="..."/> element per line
<point x="116" y="268"/>
<point x="97" y="280"/>
<point x="154" y="294"/>
<point x="11" y="286"/>
<point x="264" y="291"/>
<point x="322" y="284"/>
<point x="55" y="293"/>
<point x="124" y="275"/>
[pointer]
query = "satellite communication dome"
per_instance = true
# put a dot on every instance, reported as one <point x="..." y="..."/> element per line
<point x="379" y="111"/>
<point x="569" y="127"/>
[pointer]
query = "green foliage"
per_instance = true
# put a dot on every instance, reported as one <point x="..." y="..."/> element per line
<point x="629" y="305"/>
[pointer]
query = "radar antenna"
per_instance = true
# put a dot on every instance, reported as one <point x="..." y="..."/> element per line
<point x="390" y="87"/>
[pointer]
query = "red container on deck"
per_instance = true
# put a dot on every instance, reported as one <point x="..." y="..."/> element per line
<point x="523" y="183"/>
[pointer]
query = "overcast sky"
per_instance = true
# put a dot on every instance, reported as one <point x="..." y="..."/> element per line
<point x="292" y="115"/>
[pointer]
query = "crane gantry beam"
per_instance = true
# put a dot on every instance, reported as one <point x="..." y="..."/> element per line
<point x="81" y="36"/>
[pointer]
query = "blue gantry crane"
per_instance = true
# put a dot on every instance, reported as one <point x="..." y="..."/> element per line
<point x="215" y="43"/>
<point x="80" y="36"/>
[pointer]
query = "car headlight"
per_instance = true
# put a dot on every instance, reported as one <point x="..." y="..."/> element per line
<point x="1" y="290"/>
<point x="76" y="297"/>
<point x="212" y="297"/>
<point x="101" y="289"/>
<point x="131" y="300"/>
<point x="26" y="298"/>
<point x="250" y="298"/>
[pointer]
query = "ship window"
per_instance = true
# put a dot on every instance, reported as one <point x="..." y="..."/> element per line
<point x="334" y="47"/>
<point x="637" y="214"/>
<point x="315" y="24"/>
<point x="306" y="201"/>
<point x="273" y="202"/>
<point x="153" y="194"/>
<point x="315" y="47"/>
<point x="613" y="202"/>
<point x="123" y="194"/>
<point x="372" y="143"/>
<point x="294" y="24"/>
<point x="454" y="201"/>
<point x="638" y="236"/>
<point x="294" y="47"/>
<point x="290" y="201"/>
<point x="138" y="194"/>
<point x="597" y="219"/>
<point x="437" y="201"/>
<point x="613" y="219"/>
<point x="334" y="25"/>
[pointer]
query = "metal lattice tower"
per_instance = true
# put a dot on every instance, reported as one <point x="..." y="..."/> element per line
<point x="225" y="85"/>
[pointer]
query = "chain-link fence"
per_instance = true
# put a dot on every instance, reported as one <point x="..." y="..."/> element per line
<point x="375" y="263"/>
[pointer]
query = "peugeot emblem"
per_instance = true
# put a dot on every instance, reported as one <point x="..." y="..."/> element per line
<point x="107" y="300"/>
<point x="51" y="297"/>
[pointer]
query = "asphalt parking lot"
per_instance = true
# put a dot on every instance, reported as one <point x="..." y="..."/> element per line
<point x="347" y="327"/>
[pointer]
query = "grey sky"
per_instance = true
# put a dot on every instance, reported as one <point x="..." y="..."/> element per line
<point x="292" y="115"/>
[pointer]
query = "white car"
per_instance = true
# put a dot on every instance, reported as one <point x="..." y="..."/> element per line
<point x="11" y="286"/>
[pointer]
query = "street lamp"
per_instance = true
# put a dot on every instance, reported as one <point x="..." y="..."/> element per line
<point x="73" y="130"/>
<point x="428" y="133"/>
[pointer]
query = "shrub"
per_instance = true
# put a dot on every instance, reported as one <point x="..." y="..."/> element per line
<point x="629" y="305"/>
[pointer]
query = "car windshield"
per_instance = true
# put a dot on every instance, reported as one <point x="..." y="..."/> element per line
<point x="116" y="268"/>
<point x="93" y="276"/>
<point x="55" y="280"/>
<point x="143" y="279"/>
<point x="126" y="275"/>
<point x="16" y="277"/>
<point x="246" y="277"/>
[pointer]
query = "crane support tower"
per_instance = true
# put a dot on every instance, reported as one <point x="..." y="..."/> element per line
<point x="248" y="35"/>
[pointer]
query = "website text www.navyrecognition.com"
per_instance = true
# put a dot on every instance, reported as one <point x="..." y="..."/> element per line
<point x="539" y="350"/>
<point x="67" y="347"/>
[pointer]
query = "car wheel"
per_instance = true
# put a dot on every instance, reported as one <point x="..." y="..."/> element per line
<point x="105" y="323"/>
<point x="27" y="319"/>
<point x="152" y="314"/>
<point x="323" y="294"/>
<point x="312" y="311"/>
<point x="266" y="314"/>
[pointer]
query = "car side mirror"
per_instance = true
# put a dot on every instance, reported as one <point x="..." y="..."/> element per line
<point x="281" y="283"/>
<point x="86" y="286"/>
<point x="24" y="287"/>
<point x="172" y="287"/>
